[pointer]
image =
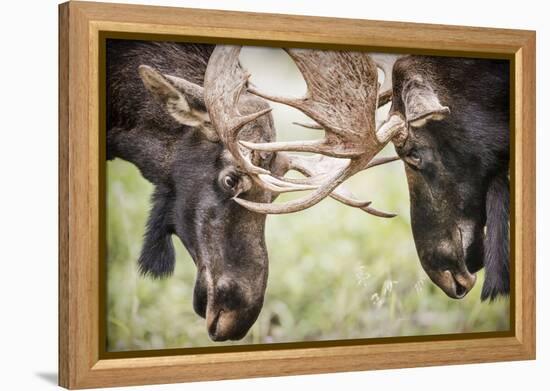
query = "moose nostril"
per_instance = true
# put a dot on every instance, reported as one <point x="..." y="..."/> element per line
<point x="460" y="290"/>
<point x="463" y="282"/>
<point x="212" y="325"/>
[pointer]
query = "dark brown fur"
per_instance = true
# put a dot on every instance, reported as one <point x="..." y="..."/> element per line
<point x="457" y="170"/>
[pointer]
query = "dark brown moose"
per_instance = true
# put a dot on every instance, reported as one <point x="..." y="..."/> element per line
<point x="456" y="153"/>
<point x="158" y="120"/>
<point x="449" y="122"/>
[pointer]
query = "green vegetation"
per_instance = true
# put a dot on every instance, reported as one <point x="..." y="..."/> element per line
<point x="335" y="273"/>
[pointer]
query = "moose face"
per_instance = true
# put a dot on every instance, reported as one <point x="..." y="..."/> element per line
<point x="225" y="240"/>
<point x="447" y="208"/>
<point x="195" y="202"/>
<point x="456" y="157"/>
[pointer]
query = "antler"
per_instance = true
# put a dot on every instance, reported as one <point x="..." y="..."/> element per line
<point x="224" y="82"/>
<point x="341" y="98"/>
<point x="342" y="95"/>
<point x="315" y="168"/>
<point x="385" y="62"/>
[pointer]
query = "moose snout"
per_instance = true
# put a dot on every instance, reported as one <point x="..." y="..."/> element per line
<point x="451" y="261"/>
<point x="228" y="307"/>
<point x="223" y="325"/>
<point x="456" y="284"/>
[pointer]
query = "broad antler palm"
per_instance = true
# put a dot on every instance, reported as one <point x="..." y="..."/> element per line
<point x="342" y="98"/>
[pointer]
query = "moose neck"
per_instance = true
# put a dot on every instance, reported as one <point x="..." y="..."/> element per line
<point x="150" y="151"/>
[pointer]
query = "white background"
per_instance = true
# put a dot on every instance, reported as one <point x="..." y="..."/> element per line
<point x="28" y="204"/>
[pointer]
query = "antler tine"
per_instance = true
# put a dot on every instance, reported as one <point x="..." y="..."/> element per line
<point x="277" y="185"/>
<point x="385" y="62"/>
<point x="379" y="213"/>
<point x="302" y="203"/>
<point x="382" y="160"/>
<point x="224" y="82"/>
<point x="323" y="147"/>
<point x="341" y="196"/>
<point x="308" y="125"/>
<point x="392" y="127"/>
<point x="384" y="97"/>
<point x="317" y="168"/>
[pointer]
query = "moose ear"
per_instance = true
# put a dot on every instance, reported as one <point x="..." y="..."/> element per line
<point x="421" y="102"/>
<point x="182" y="99"/>
<point x="157" y="257"/>
<point x="497" y="252"/>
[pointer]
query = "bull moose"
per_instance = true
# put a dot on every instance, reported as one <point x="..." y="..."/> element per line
<point x="449" y="122"/>
<point x="157" y="119"/>
<point x="456" y="154"/>
<point x="180" y="113"/>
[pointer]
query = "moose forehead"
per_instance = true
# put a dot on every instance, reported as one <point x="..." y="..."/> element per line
<point x="227" y="158"/>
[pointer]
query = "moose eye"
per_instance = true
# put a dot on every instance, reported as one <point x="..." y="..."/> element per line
<point x="229" y="182"/>
<point x="413" y="159"/>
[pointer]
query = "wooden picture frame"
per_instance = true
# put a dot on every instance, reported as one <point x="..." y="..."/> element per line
<point x="82" y="363"/>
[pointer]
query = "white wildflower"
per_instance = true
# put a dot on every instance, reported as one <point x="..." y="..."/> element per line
<point x="419" y="285"/>
<point x="362" y="276"/>
<point x="388" y="287"/>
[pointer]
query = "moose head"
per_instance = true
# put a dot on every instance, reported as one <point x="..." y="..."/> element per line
<point x="225" y="240"/>
<point x="164" y="125"/>
<point x="456" y="154"/>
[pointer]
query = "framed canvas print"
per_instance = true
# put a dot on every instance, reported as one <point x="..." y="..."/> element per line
<point x="248" y="195"/>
